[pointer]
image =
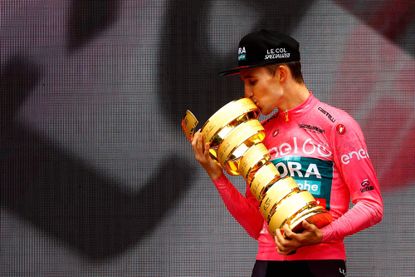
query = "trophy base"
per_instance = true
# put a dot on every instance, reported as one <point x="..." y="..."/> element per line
<point x="320" y="218"/>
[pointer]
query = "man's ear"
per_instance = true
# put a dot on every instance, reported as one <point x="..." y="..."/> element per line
<point x="282" y="72"/>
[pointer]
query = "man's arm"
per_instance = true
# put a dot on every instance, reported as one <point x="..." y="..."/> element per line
<point x="353" y="162"/>
<point x="244" y="209"/>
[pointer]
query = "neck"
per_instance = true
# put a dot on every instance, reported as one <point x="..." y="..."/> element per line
<point x="294" y="95"/>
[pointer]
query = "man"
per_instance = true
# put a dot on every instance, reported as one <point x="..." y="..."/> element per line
<point x="320" y="146"/>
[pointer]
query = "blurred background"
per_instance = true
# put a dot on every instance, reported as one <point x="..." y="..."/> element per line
<point x="96" y="176"/>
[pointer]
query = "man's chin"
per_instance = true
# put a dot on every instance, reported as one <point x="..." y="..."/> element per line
<point x="264" y="112"/>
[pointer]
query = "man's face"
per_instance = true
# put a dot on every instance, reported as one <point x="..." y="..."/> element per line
<point x="262" y="87"/>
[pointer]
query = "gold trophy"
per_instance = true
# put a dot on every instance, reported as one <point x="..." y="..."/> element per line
<point x="235" y="136"/>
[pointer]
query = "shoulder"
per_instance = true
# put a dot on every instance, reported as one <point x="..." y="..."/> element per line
<point x="333" y="117"/>
<point x="341" y="128"/>
<point x="332" y="114"/>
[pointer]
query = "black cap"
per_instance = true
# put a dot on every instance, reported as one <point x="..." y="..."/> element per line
<point x="264" y="47"/>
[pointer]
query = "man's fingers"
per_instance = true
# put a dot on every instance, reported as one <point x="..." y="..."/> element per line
<point x="206" y="148"/>
<point x="285" y="249"/>
<point x="278" y="236"/>
<point x="195" y="139"/>
<point x="199" y="147"/>
<point x="308" y="226"/>
<point x="285" y="245"/>
<point x="286" y="252"/>
<point x="287" y="232"/>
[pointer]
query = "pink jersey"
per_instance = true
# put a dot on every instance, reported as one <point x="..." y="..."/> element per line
<point x="324" y="150"/>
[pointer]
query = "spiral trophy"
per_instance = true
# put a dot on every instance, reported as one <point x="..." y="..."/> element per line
<point x="235" y="136"/>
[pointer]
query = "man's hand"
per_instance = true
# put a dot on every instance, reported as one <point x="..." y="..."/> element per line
<point x="288" y="242"/>
<point x="201" y="151"/>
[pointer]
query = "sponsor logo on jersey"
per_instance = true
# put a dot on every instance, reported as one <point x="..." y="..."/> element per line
<point x="311" y="174"/>
<point x="311" y="128"/>
<point x="366" y="186"/>
<point x="297" y="169"/>
<point x="293" y="147"/>
<point x="312" y="186"/>
<point x="358" y="155"/>
<point x="341" y="129"/>
<point x="327" y="114"/>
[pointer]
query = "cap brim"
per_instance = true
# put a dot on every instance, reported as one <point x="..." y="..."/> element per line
<point x="233" y="71"/>
<point x="237" y="70"/>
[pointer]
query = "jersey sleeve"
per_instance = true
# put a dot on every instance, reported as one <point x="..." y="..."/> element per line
<point x="355" y="167"/>
<point x="245" y="209"/>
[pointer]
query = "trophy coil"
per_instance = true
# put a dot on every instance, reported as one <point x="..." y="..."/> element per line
<point x="235" y="136"/>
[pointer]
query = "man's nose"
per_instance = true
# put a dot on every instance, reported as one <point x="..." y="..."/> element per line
<point x="247" y="91"/>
